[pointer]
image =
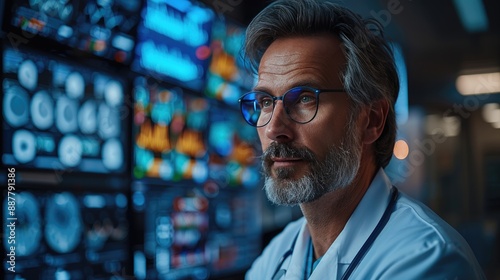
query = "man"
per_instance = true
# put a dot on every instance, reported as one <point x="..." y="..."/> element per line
<point x="324" y="110"/>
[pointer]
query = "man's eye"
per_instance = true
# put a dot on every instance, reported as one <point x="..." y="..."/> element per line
<point x="266" y="103"/>
<point x="306" y="99"/>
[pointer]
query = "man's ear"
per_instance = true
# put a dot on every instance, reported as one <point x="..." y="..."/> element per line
<point x="374" y="126"/>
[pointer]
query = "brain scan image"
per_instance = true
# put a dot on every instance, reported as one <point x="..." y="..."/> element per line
<point x="61" y="115"/>
<point x="42" y="110"/>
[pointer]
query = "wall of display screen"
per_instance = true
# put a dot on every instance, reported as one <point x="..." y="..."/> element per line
<point x="142" y="94"/>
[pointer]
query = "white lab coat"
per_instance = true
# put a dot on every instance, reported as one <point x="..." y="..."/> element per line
<point x="414" y="244"/>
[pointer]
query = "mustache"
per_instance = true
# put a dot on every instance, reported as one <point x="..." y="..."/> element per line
<point x="284" y="150"/>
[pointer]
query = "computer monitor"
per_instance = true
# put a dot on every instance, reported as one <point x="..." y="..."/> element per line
<point x="100" y="28"/>
<point x="58" y="115"/>
<point x="174" y="42"/>
<point x="193" y="231"/>
<point x="67" y="235"/>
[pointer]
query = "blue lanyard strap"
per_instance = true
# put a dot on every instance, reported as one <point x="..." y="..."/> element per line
<point x="369" y="242"/>
<point x="280" y="272"/>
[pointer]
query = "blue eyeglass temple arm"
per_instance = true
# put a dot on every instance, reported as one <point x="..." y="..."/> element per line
<point x="331" y="90"/>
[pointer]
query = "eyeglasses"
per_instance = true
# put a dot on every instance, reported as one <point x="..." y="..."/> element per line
<point x="300" y="103"/>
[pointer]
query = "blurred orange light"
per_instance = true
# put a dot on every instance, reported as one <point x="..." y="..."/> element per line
<point x="401" y="149"/>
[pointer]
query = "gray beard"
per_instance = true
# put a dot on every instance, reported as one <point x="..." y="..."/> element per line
<point x="337" y="170"/>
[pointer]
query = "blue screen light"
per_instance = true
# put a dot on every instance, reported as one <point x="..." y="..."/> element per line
<point x="401" y="106"/>
<point x="472" y="14"/>
<point x="167" y="23"/>
<point x="174" y="42"/>
<point x="168" y="62"/>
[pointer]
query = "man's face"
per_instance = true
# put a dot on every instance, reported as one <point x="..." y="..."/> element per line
<point x="304" y="161"/>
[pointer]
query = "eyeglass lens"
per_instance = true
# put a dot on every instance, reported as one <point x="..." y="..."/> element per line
<point x="300" y="104"/>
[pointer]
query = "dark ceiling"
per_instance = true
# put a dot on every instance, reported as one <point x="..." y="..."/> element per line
<point x="435" y="44"/>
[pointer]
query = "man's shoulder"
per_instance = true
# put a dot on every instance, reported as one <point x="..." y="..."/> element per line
<point x="416" y="241"/>
<point x="415" y="230"/>
<point x="414" y="220"/>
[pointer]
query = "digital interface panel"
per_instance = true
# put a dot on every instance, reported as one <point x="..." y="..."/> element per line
<point x="235" y="230"/>
<point x="61" y="116"/>
<point x="101" y="27"/>
<point x="62" y="235"/>
<point x="193" y="232"/>
<point x="174" y="42"/>
<point x="228" y="76"/>
<point x="233" y="148"/>
<point x="170" y="131"/>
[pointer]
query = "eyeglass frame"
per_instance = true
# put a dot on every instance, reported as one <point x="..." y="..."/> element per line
<point x="282" y="97"/>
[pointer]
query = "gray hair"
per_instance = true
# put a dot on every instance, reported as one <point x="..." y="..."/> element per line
<point x="370" y="73"/>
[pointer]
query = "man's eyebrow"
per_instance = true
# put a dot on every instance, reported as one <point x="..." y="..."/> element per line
<point x="261" y="88"/>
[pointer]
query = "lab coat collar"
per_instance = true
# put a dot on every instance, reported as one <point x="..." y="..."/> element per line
<point x="365" y="217"/>
<point x="357" y="229"/>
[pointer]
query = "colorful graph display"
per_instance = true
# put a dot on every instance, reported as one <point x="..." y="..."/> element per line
<point x="233" y="149"/>
<point x="170" y="130"/>
<point x="228" y="76"/>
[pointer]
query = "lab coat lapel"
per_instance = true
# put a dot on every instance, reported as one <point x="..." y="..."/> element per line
<point x="359" y="226"/>
<point x="296" y="266"/>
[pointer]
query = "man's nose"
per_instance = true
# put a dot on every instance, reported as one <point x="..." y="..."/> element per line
<point x="279" y="127"/>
